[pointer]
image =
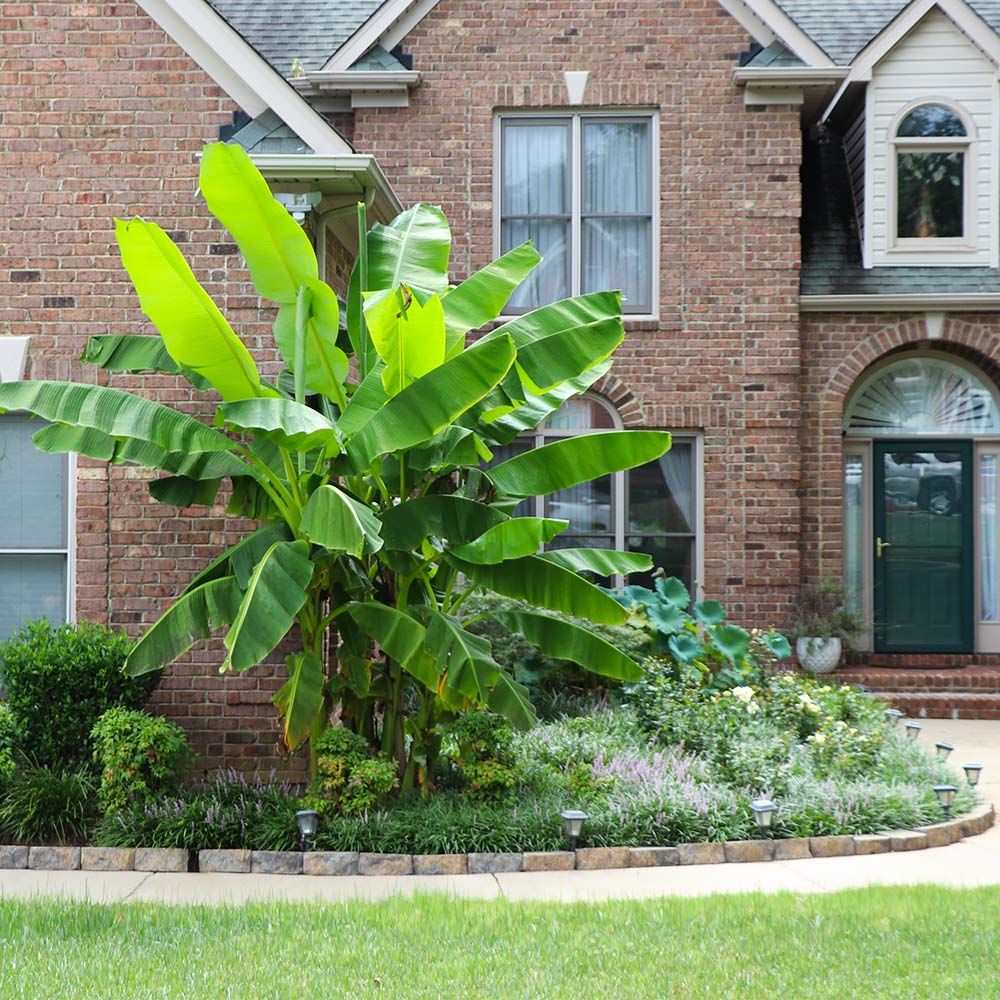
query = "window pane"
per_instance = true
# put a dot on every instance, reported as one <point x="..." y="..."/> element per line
<point x="931" y="120"/>
<point x="989" y="605"/>
<point x="661" y="496"/>
<point x="930" y="199"/>
<point x="534" y="169"/>
<point x="616" y="256"/>
<point x="581" y="414"/>
<point x="31" y="586"/>
<point x="674" y="555"/>
<point x="853" y="530"/>
<point x="568" y="541"/>
<point x="616" y="167"/>
<point x="547" y="283"/>
<point x="33" y="487"/>
<point x="586" y="506"/>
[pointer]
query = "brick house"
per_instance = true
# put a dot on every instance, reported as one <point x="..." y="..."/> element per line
<point x="799" y="200"/>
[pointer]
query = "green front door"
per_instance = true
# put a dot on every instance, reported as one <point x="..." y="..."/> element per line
<point x="923" y="546"/>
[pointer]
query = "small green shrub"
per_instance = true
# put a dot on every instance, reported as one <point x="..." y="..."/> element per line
<point x="45" y="805"/>
<point x="480" y="746"/>
<point x="348" y="781"/>
<point x="137" y="755"/>
<point x="61" y="680"/>
<point x="9" y="739"/>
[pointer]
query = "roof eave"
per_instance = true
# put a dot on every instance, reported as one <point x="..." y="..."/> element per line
<point x="787" y="76"/>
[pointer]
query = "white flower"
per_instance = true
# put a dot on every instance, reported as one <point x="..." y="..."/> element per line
<point x="753" y="708"/>
<point x="744" y="694"/>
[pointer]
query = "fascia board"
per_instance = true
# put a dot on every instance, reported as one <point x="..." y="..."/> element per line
<point x="352" y="80"/>
<point x="739" y="11"/>
<point x="971" y="302"/>
<point x="786" y="76"/>
<point x="241" y="71"/>
<point x="387" y="26"/>
<point x="789" y="33"/>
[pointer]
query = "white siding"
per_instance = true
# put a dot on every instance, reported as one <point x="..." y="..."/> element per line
<point x="935" y="60"/>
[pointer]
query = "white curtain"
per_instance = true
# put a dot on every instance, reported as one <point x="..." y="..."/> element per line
<point x="678" y="475"/>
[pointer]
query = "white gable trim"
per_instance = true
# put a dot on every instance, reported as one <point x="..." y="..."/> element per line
<point x="387" y="27"/>
<point x="778" y="25"/>
<point x="739" y="11"/>
<point x="240" y="71"/>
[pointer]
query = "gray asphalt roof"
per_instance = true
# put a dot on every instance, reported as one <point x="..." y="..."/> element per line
<point x="285" y="30"/>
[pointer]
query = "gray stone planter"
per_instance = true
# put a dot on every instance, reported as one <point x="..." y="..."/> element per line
<point x="13" y="857"/>
<point x="107" y="859"/>
<point x="54" y="858"/>
<point x="161" y="859"/>
<point x="495" y="864"/>
<point x="276" y="862"/>
<point x="234" y="861"/>
<point x="385" y="864"/>
<point x="330" y="863"/>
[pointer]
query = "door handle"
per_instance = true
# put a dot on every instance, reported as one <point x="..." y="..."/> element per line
<point x="880" y="545"/>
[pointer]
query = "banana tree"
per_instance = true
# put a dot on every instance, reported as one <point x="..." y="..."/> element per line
<point x="365" y="462"/>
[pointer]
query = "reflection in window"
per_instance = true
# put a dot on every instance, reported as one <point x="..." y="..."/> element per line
<point x="854" y="529"/>
<point x="989" y="610"/>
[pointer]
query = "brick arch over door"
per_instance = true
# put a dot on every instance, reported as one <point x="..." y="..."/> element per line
<point x="837" y="351"/>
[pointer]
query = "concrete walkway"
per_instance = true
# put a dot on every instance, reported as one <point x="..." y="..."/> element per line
<point x="974" y="862"/>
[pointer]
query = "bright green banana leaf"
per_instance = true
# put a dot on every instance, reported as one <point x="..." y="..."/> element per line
<point x="565" y="463"/>
<point x="336" y="521"/>
<point x="412" y="250"/>
<point x="282" y="421"/>
<point x="545" y="585"/>
<point x="195" y="332"/>
<point x="326" y="364"/>
<point x="277" y="250"/>
<point x="481" y="297"/>
<point x="454" y="446"/>
<point x="408" y="335"/>
<point x="274" y="596"/>
<point x="464" y="660"/>
<point x="192" y="616"/>
<point x="239" y="560"/>
<point x="400" y="636"/>
<point x="113" y="412"/>
<point x="300" y="699"/>
<point x="131" y="352"/>
<point x="428" y="405"/>
<point x="182" y="491"/>
<point x="603" y="562"/>
<point x="563" y="640"/>
<point x="513" y="539"/>
<point x="550" y="361"/>
<point x="367" y="400"/>
<point x="513" y="701"/>
<point x="455" y="518"/>
<point x="566" y="314"/>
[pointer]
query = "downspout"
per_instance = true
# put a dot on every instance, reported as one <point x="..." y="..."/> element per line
<point x="335" y="213"/>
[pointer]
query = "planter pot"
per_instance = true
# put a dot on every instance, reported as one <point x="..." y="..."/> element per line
<point x="818" y="656"/>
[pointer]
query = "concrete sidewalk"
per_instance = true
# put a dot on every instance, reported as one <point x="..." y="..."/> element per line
<point x="973" y="862"/>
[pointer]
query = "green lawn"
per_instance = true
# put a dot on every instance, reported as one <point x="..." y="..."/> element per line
<point x="876" y="944"/>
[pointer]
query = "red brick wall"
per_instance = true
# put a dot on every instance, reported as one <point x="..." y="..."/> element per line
<point x="102" y="116"/>
<point x="723" y="357"/>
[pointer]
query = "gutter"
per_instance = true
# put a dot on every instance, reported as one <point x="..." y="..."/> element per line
<point x="789" y="76"/>
<point x="365" y="88"/>
<point x="969" y="302"/>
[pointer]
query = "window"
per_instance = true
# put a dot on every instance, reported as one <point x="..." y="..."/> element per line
<point x="932" y="175"/>
<point x="651" y="509"/>
<point x="34" y="531"/>
<point x="580" y="187"/>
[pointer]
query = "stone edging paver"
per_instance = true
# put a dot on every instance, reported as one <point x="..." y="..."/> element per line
<point x="148" y="859"/>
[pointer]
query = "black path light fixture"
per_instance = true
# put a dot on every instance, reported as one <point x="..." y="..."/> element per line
<point x="946" y="797"/>
<point x="893" y="715"/>
<point x="573" y="820"/>
<point x="308" y="820"/>
<point x="913" y="730"/>
<point x="972" y="773"/>
<point x="943" y="749"/>
<point x="763" y="810"/>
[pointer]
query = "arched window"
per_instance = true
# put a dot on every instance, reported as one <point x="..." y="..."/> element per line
<point x="651" y="509"/>
<point x="932" y="174"/>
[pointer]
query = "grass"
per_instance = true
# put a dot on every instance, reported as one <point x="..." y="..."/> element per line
<point x="877" y="944"/>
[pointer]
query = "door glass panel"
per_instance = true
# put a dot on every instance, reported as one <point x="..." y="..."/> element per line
<point x="854" y="529"/>
<point x="988" y="610"/>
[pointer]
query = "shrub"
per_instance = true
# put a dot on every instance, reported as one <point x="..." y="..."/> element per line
<point x="60" y="680"/>
<point x="9" y="739"/>
<point x="480" y="746"/>
<point x="137" y="755"/>
<point x="347" y="779"/>
<point x="45" y="805"/>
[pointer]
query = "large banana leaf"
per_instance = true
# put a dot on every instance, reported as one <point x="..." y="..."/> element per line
<point x="545" y="585"/>
<point x="113" y="412"/>
<point x="512" y="700"/>
<point x="481" y="297"/>
<point x="195" y="332"/>
<point x="239" y="560"/>
<point x="300" y="699"/>
<point x="457" y="519"/>
<point x="182" y="491"/>
<point x="579" y="459"/>
<point x="552" y="360"/>
<point x="454" y="446"/>
<point x="192" y="616"/>
<point x="428" y="405"/>
<point x="412" y="250"/>
<point x="566" y="314"/>
<point x="274" y="596"/>
<point x="336" y="521"/>
<point x="408" y="335"/>
<point x="368" y="399"/>
<point x="603" y="562"/>
<point x="326" y="364"/>
<point x="129" y="352"/>
<point x="565" y="641"/>
<point x="277" y="250"/>
<point x="282" y="421"/>
<point x="400" y="636"/>
<point x="464" y="660"/>
<point x="513" y="539"/>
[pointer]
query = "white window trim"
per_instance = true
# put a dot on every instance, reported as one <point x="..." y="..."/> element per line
<point x="933" y="250"/>
<point x="576" y="117"/>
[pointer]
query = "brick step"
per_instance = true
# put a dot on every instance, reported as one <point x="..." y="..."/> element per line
<point x="973" y="680"/>
<point x="952" y="705"/>
<point x="923" y="661"/>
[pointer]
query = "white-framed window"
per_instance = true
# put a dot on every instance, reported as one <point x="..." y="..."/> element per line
<point x="36" y="550"/>
<point x="933" y="179"/>
<point x="582" y="188"/>
<point x="654" y="508"/>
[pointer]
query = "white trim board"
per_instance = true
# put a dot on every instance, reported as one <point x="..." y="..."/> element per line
<point x="969" y="302"/>
<point x="241" y="72"/>
<point x="779" y="25"/>
<point x="387" y="27"/>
